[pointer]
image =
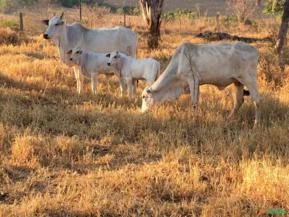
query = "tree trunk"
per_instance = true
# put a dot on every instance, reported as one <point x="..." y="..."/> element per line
<point x="154" y="35"/>
<point x="80" y="10"/>
<point x="21" y="25"/>
<point x="151" y="12"/>
<point x="283" y="28"/>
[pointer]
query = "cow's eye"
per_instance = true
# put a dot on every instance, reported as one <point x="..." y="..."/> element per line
<point x="58" y="24"/>
<point x="78" y="52"/>
<point x="115" y="57"/>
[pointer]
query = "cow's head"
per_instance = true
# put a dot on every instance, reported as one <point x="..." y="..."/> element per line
<point x="55" y="25"/>
<point x="147" y="100"/>
<point x="113" y="58"/>
<point x="75" y="55"/>
<point x="170" y="92"/>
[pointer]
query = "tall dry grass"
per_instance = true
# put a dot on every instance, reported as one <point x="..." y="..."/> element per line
<point x="67" y="155"/>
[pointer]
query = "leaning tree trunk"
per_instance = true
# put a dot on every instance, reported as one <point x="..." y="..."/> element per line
<point x="152" y="11"/>
<point x="283" y="28"/>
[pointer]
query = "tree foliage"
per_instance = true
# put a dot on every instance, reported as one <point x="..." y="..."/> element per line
<point x="242" y="9"/>
<point x="274" y="7"/>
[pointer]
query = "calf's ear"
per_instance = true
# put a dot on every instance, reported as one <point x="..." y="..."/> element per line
<point x="46" y="22"/>
<point x="107" y="55"/>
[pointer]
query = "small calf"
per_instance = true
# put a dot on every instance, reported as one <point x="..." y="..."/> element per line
<point x="91" y="64"/>
<point x="130" y="69"/>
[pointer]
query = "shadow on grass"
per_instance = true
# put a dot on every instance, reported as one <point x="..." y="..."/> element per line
<point x="108" y="126"/>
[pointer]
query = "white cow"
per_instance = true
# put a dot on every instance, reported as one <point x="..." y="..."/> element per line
<point x="91" y="64"/>
<point x="102" y="40"/>
<point x="131" y="69"/>
<point x="218" y="64"/>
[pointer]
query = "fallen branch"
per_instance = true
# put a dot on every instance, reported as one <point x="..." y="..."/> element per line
<point x="219" y="36"/>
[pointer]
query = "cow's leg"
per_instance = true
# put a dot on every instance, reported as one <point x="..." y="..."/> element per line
<point x="251" y="84"/>
<point x="93" y="82"/>
<point x="194" y="90"/>
<point x="130" y="87"/>
<point x="252" y="87"/>
<point x="238" y="97"/>
<point x="79" y="79"/>
<point x="135" y="82"/>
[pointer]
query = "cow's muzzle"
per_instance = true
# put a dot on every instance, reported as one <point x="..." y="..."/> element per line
<point x="45" y="36"/>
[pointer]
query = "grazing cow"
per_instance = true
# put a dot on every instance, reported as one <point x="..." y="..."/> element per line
<point x="131" y="69"/>
<point x="101" y="40"/>
<point x="218" y="64"/>
<point x="91" y="64"/>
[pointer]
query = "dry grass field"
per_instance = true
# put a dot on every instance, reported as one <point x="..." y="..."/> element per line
<point x="67" y="155"/>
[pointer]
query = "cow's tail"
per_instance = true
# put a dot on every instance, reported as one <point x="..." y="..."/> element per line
<point x="246" y="92"/>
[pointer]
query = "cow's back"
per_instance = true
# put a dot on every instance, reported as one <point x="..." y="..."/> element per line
<point x="217" y="63"/>
<point x="110" y="39"/>
<point x="217" y="56"/>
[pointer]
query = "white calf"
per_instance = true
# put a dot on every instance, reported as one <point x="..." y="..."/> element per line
<point x="131" y="69"/>
<point x="91" y="64"/>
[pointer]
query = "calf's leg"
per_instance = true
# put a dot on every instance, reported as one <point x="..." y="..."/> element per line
<point x="79" y="79"/>
<point x="93" y="82"/>
<point x="122" y="87"/>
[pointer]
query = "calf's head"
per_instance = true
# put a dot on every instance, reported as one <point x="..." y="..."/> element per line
<point x="75" y="55"/>
<point x="113" y="59"/>
<point x="54" y="28"/>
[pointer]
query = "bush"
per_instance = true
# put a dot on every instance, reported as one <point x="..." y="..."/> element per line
<point x="8" y="4"/>
<point x="68" y="3"/>
<point x="12" y="24"/>
<point x="178" y="14"/>
<point x="274" y="7"/>
<point x="8" y="36"/>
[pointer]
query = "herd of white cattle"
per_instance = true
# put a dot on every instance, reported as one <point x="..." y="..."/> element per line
<point x="113" y="51"/>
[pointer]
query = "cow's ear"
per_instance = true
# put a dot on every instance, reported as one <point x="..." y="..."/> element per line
<point x="108" y="55"/>
<point x="46" y="22"/>
<point x="69" y="52"/>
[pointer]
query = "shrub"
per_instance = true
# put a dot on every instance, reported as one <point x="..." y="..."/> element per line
<point x="242" y="9"/>
<point x="274" y="7"/>
<point x="8" y="36"/>
<point x="68" y="3"/>
<point x="12" y="24"/>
